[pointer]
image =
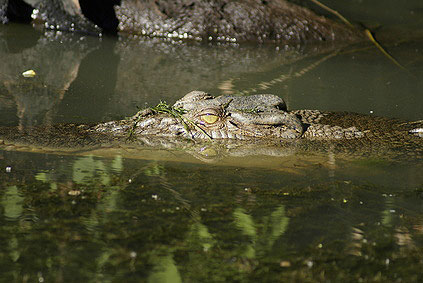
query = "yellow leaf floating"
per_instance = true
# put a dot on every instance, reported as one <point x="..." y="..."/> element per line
<point x="29" y="74"/>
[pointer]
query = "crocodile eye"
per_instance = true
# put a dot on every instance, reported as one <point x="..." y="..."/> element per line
<point x="209" y="118"/>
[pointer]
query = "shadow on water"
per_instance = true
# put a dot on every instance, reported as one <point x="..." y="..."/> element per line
<point x="171" y="217"/>
<point x="94" y="85"/>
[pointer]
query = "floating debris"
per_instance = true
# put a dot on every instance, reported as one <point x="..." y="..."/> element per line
<point x="8" y="169"/>
<point x="74" y="192"/>
<point x="29" y="74"/>
<point x="285" y="263"/>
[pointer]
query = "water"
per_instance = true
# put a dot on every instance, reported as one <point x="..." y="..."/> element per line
<point x="162" y="216"/>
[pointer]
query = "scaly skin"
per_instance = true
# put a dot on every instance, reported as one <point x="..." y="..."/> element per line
<point x="256" y="116"/>
<point x="251" y="124"/>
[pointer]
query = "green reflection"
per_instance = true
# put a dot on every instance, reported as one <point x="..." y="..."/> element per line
<point x="14" y="249"/>
<point x="86" y="168"/>
<point x="42" y="176"/>
<point x="388" y="213"/>
<point x="46" y="178"/>
<point x="272" y="228"/>
<point x="154" y="169"/>
<point x="278" y="222"/>
<point x="117" y="164"/>
<point x="245" y="223"/>
<point x="201" y="234"/>
<point x="164" y="270"/>
<point x="12" y="203"/>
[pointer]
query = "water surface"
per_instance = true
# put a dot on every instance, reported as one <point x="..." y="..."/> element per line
<point x="177" y="217"/>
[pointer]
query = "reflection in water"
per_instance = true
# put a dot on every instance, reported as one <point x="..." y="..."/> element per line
<point x="272" y="228"/>
<point x="164" y="270"/>
<point x="12" y="203"/>
<point x="56" y="62"/>
<point x="86" y="218"/>
<point x="86" y="79"/>
<point x="94" y="85"/>
<point x="285" y="77"/>
<point x="82" y="78"/>
<point x="178" y="222"/>
<point x="86" y="169"/>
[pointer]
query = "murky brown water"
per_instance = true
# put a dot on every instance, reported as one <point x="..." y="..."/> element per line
<point x="163" y="216"/>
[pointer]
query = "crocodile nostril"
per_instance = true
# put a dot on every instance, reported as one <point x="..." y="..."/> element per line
<point x="281" y="106"/>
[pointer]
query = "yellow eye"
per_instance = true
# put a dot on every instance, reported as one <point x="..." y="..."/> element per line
<point x="209" y="118"/>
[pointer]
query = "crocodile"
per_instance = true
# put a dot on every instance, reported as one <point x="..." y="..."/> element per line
<point x="255" y="124"/>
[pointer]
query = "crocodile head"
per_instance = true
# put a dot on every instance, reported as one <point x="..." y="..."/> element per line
<point x="224" y="117"/>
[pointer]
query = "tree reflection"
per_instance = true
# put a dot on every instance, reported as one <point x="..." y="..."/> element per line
<point x="179" y="222"/>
